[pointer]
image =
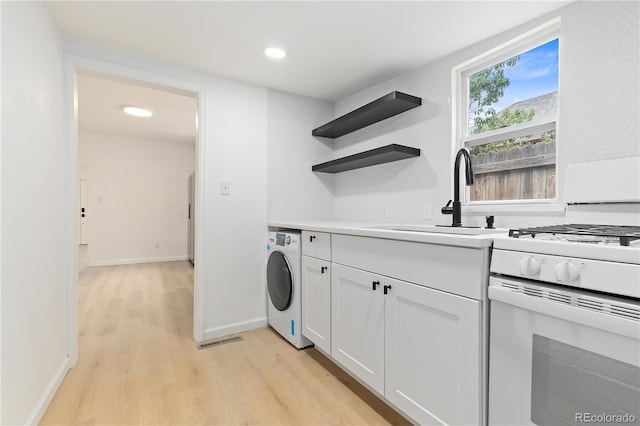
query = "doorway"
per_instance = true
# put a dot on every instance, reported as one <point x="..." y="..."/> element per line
<point x="78" y="68"/>
<point x="138" y="169"/>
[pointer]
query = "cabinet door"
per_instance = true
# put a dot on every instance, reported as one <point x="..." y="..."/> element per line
<point x="433" y="354"/>
<point x="357" y="324"/>
<point x="316" y="302"/>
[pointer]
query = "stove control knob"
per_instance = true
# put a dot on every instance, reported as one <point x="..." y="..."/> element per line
<point x="566" y="271"/>
<point x="529" y="266"/>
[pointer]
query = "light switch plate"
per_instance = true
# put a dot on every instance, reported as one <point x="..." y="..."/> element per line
<point x="225" y="187"/>
<point x="428" y="215"/>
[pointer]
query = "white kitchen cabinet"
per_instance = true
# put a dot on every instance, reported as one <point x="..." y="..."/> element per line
<point x="427" y="360"/>
<point x="422" y="346"/>
<point x="416" y="346"/>
<point x="432" y="346"/>
<point x="316" y="288"/>
<point x="316" y="302"/>
<point x="357" y="324"/>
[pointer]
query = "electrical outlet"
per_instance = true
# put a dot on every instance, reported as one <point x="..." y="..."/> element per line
<point x="428" y="215"/>
<point x="225" y="187"/>
<point x="385" y="210"/>
<point x="157" y="245"/>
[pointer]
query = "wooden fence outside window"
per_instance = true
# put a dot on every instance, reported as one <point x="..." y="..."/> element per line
<point x="517" y="173"/>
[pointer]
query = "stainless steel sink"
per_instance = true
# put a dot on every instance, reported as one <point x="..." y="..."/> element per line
<point x="461" y="230"/>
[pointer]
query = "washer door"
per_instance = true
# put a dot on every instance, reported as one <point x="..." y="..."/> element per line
<point x="279" y="281"/>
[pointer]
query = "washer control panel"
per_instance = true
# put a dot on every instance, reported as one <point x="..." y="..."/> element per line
<point x="289" y="241"/>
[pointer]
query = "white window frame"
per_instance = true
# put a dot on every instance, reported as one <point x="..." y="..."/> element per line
<point x="460" y="117"/>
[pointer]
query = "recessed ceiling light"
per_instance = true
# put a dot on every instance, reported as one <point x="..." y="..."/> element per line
<point x="137" y="111"/>
<point x="275" y="52"/>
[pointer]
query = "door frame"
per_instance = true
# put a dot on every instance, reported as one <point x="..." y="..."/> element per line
<point x="73" y="65"/>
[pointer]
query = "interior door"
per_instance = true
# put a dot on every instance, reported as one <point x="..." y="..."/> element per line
<point x="83" y="211"/>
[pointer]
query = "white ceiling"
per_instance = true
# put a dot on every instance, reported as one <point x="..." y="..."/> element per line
<point x="100" y="102"/>
<point x="334" y="48"/>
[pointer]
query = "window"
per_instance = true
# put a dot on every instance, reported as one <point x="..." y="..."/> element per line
<point x="508" y="117"/>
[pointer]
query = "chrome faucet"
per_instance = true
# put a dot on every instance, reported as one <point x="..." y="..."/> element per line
<point x="456" y="210"/>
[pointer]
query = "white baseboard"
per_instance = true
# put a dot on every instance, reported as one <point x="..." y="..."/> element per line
<point x="133" y="261"/>
<point x="239" y="327"/>
<point x="49" y="392"/>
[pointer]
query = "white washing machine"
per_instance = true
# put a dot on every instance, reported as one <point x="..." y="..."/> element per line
<point x="284" y="285"/>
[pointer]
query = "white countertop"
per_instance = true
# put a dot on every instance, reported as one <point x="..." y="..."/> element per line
<point x="420" y="233"/>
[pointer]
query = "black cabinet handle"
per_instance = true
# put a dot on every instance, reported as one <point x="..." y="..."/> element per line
<point x="375" y="283"/>
<point x="311" y="238"/>
<point x="322" y="269"/>
<point x="387" y="288"/>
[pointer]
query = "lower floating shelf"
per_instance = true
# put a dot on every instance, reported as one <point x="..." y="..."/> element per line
<point x="385" y="154"/>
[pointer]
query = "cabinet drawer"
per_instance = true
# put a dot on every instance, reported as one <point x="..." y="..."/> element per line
<point x="316" y="244"/>
<point x="457" y="270"/>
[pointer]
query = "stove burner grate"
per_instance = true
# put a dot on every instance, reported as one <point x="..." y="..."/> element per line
<point x="624" y="234"/>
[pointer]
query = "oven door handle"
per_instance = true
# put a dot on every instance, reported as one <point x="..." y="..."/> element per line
<point x="578" y="315"/>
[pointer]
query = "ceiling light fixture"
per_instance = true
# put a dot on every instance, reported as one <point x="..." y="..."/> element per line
<point x="275" y="52"/>
<point x="137" y="111"/>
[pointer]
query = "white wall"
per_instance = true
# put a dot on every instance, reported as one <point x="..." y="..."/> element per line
<point x="34" y="281"/>
<point x="599" y="110"/>
<point x="600" y="88"/>
<point x="295" y="192"/>
<point x="236" y="225"/>
<point x="0" y="219"/>
<point x="232" y="228"/>
<point x="404" y="186"/>
<point x="138" y="197"/>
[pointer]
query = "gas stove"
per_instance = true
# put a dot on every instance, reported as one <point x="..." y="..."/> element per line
<point x="591" y="254"/>
<point x="565" y="305"/>
<point x="611" y="235"/>
<point x="620" y="244"/>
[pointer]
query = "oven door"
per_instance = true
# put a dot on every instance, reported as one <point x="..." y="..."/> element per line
<point x="557" y="360"/>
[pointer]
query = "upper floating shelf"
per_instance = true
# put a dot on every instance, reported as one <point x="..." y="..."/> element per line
<point x="385" y="154"/>
<point x="387" y="106"/>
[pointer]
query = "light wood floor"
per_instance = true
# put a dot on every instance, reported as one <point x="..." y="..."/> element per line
<point x="138" y="364"/>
